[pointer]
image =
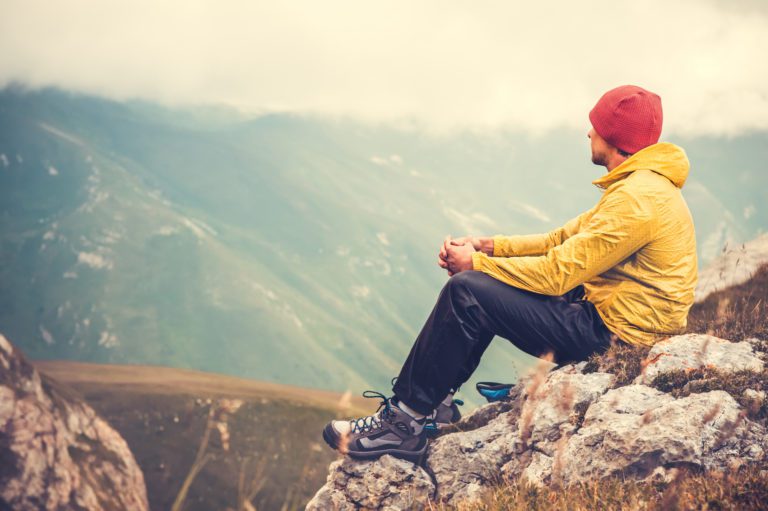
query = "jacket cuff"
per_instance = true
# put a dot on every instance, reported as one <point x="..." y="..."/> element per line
<point x="477" y="260"/>
<point x="500" y="245"/>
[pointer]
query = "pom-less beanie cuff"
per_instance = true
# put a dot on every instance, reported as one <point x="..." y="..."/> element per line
<point x="628" y="117"/>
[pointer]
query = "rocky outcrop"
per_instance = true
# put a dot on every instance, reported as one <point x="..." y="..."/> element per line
<point x="55" y="452"/>
<point x="570" y="425"/>
<point x="698" y="351"/>
<point x="387" y="483"/>
<point x="636" y="430"/>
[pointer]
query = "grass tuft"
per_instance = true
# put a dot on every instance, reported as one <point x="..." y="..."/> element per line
<point x="745" y="488"/>
<point x="622" y="360"/>
<point x="736" y="313"/>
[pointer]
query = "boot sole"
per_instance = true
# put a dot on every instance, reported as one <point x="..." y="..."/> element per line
<point x="413" y="456"/>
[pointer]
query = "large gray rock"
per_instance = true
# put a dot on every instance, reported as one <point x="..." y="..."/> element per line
<point x="55" y="452"/>
<point x="633" y="430"/>
<point x="386" y="484"/>
<point x="480" y="453"/>
<point x="547" y="414"/>
<point x="696" y="351"/>
<point x="498" y="449"/>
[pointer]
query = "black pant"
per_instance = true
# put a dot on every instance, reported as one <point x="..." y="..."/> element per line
<point x="472" y="308"/>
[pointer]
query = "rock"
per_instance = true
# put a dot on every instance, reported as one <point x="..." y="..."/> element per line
<point x="539" y="471"/>
<point x="696" y="351"/>
<point x="387" y="484"/>
<point x="484" y="414"/>
<point x="498" y="448"/>
<point x="628" y="433"/>
<point x="628" y="400"/>
<point x="480" y="453"/>
<point x="564" y="391"/>
<point x="55" y="452"/>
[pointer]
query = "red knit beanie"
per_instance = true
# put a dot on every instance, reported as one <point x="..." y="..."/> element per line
<point x="628" y="117"/>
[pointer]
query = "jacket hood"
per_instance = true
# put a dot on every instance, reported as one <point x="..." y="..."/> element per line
<point x="663" y="158"/>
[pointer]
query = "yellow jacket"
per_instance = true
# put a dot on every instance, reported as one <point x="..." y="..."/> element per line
<point x="635" y="251"/>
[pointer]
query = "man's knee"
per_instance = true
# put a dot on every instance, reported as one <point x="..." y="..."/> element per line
<point x="470" y="288"/>
<point x="466" y="281"/>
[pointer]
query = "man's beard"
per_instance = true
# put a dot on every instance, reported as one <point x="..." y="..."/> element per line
<point x="598" y="159"/>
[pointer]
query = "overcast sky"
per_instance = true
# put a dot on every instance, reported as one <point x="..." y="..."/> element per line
<point x="441" y="64"/>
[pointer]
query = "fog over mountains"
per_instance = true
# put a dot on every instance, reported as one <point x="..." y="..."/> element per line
<point x="285" y="248"/>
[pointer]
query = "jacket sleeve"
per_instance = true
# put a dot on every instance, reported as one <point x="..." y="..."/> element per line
<point x="620" y="225"/>
<point x="537" y="244"/>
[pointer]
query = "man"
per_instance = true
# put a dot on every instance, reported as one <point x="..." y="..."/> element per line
<point x="624" y="270"/>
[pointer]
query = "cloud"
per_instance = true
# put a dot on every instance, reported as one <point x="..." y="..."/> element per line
<point x="441" y="65"/>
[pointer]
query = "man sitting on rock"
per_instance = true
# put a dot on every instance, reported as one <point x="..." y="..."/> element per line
<point x="623" y="271"/>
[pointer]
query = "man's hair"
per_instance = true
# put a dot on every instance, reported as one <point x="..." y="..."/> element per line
<point x="624" y="153"/>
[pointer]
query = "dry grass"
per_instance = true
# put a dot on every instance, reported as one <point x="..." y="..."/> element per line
<point x="735" y="313"/>
<point x="745" y="488"/>
<point x="623" y="360"/>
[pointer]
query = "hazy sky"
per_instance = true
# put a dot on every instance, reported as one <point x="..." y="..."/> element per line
<point x="440" y="64"/>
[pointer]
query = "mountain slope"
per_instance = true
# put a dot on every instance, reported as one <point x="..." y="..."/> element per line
<point x="282" y="248"/>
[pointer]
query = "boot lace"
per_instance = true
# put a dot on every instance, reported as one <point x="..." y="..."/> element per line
<point x="371" y="422"/>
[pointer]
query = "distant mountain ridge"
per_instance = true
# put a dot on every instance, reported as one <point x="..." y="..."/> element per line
<point x="283" y="248"/>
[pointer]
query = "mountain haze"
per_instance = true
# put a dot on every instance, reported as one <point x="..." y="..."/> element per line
<point x="285" y="248"/>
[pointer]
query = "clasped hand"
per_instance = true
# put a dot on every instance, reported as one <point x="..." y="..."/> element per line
<point x="456" y="254"/>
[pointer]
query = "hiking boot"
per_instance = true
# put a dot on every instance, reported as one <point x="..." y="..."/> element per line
<point x="444" y="415"/>
<point x="388" y="431"/>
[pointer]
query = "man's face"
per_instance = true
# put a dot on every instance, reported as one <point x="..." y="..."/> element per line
<point x="600" y="148"/>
